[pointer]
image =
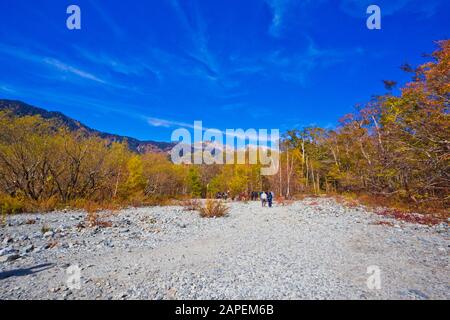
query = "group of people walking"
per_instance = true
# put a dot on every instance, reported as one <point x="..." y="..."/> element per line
<point x="266" y="197"/>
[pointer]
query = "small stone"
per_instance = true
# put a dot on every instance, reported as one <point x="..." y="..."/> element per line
<point x="28" y="248"/>
<point x="7" y="240"/>
<point x="108" y="243"/>
<point x="39" y="249"/>
<point x="418" y="293"/>
<point x="48" y="234"/>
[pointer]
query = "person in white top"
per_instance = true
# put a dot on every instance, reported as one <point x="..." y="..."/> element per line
<point x="263" y="198"/>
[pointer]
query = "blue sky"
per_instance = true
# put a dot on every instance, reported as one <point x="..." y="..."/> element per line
<point x="144" y="68"/>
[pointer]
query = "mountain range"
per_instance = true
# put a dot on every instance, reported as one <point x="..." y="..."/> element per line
<point x="19" y="108"/>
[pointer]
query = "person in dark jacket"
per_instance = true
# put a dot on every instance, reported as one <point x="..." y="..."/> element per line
<point x="270" y="198"/>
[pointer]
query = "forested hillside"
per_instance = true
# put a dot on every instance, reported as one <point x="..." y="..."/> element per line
<point x="20" y="109"/>
<point x="394" y="150"/>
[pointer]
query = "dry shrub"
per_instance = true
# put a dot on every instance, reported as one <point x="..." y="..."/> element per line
<point x="91" y="207"/>
<point x="410" y="217"/>
<point x="52" y="244"/>
<point x="214" y="208"/>
<point x="158" y="201"/>
<point x="282" y="201"/>
<point x="383" y="223"/>
<point x="139" y="199"/>
<point x="192" y="205"/>
<point x="19" y="204"/>
<point x="45" y="228"/>
<point x="347" y="200"/>
<point x="339" y="199"/>
<point x="11" y="205"/>
<point x="93" y="218"/>
<point x="47" y="205"/>
<point x="352" y="203"/>
<point x="397" y="208"/>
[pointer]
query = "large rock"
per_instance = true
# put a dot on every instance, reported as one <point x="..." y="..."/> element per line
<point x="6" y="251"/>
<point x="9" y="257"/>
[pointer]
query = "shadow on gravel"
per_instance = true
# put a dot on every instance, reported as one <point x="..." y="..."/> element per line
<point x="26" y="271"/>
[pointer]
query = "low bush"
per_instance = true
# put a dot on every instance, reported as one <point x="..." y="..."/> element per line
<point x="45" y="228"/>
<point x="214" y="208"/>
<point x="282" y="201"/>
<point x="191" y="205"/>
<point x="11" y="205"/>
<point x="94" y="220"/>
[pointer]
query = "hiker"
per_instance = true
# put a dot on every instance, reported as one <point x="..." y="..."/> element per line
<point x="263" y="198"/>
<point x="270" y="198"/>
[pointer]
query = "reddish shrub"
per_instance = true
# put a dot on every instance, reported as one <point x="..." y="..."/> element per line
<point x="409" y="217"/>
<point x="384" y="223"/>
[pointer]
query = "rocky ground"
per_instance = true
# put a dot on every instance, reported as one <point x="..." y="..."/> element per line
<point x="312" y="249"/>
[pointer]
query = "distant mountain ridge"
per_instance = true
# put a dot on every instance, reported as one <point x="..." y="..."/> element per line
<point x="20" y="108"/>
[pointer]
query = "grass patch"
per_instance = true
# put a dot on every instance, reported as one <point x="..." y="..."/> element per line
<point x="214" y="208"/>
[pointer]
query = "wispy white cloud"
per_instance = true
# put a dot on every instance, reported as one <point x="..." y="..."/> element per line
<point x="59" y="99"/>
<point x="49" y="61"/>
<point x="197" y="32"/>
<point x="111" y="62"/>
<point x="232" y="106"/>
<point x="157" y="122"/>
<point x="293" y="66"/>
<point x="202" y="61"/>
<point x="71" y="69"/>
<point x="279" y="8"/>
<point x="282" y="12"/>
<point x="7" y="89"/>
<point x="109" y="21"/>
<point x="297" y="67"/>
<point x="123" y="65"/>
<point x="234" y="133"/>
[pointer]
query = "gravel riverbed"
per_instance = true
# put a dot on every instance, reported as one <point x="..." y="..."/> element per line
<point x="312" y="249"/>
